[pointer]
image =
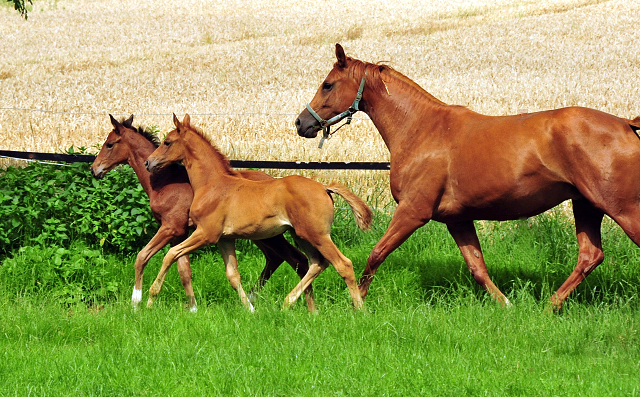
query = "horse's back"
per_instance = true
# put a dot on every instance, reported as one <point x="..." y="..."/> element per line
<point x="513" y="166"/>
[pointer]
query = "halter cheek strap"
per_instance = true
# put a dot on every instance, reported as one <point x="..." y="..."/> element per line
<point x="348" y="114"/>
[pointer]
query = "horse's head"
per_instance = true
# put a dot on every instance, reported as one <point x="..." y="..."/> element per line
<point x="334" y="99"/>
<point x="113" y="152"/>
<point x="172" y="150"/>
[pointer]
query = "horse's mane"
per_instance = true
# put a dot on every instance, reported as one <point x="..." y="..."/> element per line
<point x="148" y="135"/>
<point x="376" y="70"/>
<point x="224" y="161"/>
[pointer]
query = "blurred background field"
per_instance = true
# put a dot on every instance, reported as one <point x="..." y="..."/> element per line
<point x="244" y="70"/>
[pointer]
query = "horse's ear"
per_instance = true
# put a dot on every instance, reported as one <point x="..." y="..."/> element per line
<point x="187" y="119"/>
<point x="176" y="122"/>
<point x="115" y="124"/>
<point x="340" y="56"/>
<point x="128" y="122"/>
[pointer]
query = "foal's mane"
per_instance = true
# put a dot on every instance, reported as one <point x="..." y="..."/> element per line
<point x="220" y="157"/>
<point x="148" y="135"/>
<point x="376" y="70"/>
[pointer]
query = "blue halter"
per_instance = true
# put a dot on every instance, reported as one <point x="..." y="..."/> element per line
<point x="326" y="124"/>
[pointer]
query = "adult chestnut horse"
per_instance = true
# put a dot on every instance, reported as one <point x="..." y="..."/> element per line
<point x="170" y="196"/>
<point x="226" y="207"/>
<point x="453" y="165"/>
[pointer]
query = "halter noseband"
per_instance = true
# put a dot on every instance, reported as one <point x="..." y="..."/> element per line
<point x="326" y="124"/>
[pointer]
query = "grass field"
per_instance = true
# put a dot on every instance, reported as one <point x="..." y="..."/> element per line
<point x="428" y="329"/>
<point x="244" y="70"/>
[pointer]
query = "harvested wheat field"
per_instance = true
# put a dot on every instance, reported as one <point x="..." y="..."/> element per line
<point x="244" y="70"/>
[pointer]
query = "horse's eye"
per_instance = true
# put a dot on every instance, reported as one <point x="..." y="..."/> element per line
<point x="110" y="145"/>
<point x="167" y="143"/>
<point x="327" y="86"/>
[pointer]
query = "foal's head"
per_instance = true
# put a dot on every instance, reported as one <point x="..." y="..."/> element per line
<point x="172" y="150"/>
<point x="116" y="149"/>
<point x="334" y="96"/>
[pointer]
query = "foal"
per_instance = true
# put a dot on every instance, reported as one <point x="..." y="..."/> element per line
<point x="170" y="196"/>
<point x="227" y="207"/>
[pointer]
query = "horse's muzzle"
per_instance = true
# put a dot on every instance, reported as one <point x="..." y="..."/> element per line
<point x="306" y="125"/>
<point x="152" y="165"/>
<point x="98" y="174"/>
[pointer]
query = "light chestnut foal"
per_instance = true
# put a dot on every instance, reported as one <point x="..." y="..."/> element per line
<point x="170" y="197"/>
<point x="226" y="207"/>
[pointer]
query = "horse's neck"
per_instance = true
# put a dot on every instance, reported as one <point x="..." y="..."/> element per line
<point x="204" y="165"/>
<point x="140" y="150"/>
<point x="402" y="114"/>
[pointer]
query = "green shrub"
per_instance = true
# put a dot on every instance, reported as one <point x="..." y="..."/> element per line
<point x="77" y="274"/>
<point x="44" y="204"/>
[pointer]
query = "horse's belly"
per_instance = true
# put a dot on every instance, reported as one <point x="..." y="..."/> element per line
<point x="255" y="230"/>
<point x="507" y="206"/>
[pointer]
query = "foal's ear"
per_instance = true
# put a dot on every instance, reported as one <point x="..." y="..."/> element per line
<point x="340" y="56"/>
<point x="187" y="119"/>
<point x="128" y="122"/>
<point x="176" y="122"/>
<point x="114" y="122"/>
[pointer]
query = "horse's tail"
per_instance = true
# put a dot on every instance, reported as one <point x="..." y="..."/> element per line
<point x="361" y="210"/>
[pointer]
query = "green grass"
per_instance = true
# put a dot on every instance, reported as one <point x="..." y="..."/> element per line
<point x="428" y="329"/>
<point x="447" y="347"/>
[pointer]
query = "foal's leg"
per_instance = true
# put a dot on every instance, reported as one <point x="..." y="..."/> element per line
<point x="163" y="237"/>
<point x="317" y="264"/>
<point x="184" y="270"/>
<point x="275" y="249"/>
<point x="193" y="242"/>
<point x="405" y="221"/>
<point x="228" y="250"/>
<point x="588" y="221"/>
<point x="464" y="233"/>
<point x="326" y="249"/>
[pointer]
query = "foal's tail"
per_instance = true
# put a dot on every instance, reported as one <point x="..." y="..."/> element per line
<point x="361" y="210"/>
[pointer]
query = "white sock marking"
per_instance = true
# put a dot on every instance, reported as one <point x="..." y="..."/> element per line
<point x="136" y="297"/>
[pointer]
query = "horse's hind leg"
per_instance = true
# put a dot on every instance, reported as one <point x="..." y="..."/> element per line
<point x="275" y="250"/>
<point x="464" y="233"/>
<point x="228" y="251"/>
<point x="328" y="250"/>
<point x="588" y="221"/>
<point x="317" y="264"/>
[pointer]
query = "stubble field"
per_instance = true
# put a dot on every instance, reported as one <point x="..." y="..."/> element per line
<point x="243" y="71"/>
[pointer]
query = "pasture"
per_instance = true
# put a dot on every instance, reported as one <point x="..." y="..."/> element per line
<point x="243" y="71"/>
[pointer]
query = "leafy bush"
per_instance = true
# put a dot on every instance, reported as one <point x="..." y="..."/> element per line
<point x="71" y="275"/>
<point x="44" y="204"/>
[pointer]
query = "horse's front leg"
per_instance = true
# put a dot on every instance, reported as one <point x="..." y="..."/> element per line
<point x="228" y="251"/>
<point x="164" y="235"/>
<point x="193" y="242"/>
<point x="464" y="233"/>
<point x="405" y="221"/>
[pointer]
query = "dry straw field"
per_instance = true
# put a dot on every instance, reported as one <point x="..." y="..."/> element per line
<point x="244" y="70"/>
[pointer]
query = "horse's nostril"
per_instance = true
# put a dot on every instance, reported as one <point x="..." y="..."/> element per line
<point x="298" y="122"/>
<point x="146" y="164"/>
